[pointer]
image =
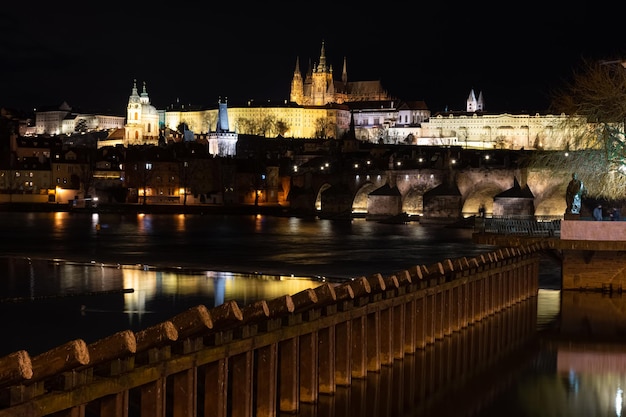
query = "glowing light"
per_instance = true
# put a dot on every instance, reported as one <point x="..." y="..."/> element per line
<point x="619" y="401"/>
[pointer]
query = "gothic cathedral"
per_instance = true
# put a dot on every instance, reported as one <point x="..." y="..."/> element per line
<point x="318" y="88"/>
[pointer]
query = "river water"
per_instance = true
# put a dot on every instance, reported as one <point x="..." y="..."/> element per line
<point x="77" y="275"/>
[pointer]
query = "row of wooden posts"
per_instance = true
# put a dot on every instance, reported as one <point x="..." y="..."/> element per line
<point x="270" y="356"/>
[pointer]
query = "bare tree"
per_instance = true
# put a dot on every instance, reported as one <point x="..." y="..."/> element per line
<point x="267" y="125"/>
<point x="282" y="126"/>
<point x="246" y="126"/>
<point x="324" y="127"/>
<point x="595" y="101"/>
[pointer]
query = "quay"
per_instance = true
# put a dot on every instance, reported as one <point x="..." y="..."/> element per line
<point x="592" y="253"/>
<point x="299" y="351"/>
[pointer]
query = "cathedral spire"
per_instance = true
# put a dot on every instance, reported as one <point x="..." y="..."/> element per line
<point x="321" y="67"/>
<point x="297" y="69"/>
<point x="344" y="72"/>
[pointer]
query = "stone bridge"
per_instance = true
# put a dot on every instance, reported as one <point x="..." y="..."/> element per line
<point x="476" y="186"/>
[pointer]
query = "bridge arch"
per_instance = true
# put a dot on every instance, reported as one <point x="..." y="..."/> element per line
<point x="481" y="186"/>
<point x="318" y="197"/>
<point x="359" y="203"/>
<point x="413" y="202"/>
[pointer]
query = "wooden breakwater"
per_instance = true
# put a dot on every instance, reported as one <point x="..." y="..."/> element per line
<point x="272" y="356"/>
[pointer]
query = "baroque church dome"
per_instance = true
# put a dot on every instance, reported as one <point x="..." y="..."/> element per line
<point x="142" y="123"/>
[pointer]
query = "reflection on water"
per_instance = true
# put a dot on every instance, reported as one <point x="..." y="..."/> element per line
<point x="560" y="356"/>
<point x="66" y="300"/>
<point x="246" y="243"/>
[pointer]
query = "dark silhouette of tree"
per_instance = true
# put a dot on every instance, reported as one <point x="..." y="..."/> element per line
<point x="282" y="127"/>
<point x="594" y="100"/>
<point x="325" y="127"/>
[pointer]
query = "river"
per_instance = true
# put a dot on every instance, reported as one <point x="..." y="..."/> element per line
<point x="79" y="275"/>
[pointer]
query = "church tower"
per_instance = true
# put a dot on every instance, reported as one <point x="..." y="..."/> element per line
<point x="142" y="119"/>
<point x="322" y="90"/>
<point x="318" y="87"/>
<point x="473" y="104"/>
<point x="297" y="88"/>
<point x="133" y="126"/>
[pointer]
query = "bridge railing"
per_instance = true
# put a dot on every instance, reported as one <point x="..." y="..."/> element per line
<point x="526" y="226"/>
<point x="271" y="356"/>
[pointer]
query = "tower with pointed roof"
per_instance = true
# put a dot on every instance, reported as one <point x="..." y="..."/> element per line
<point x="297" y="95"/>
<point x="223" y="141"/>
<point x="322" y="90"/>
<point x="142" y="119"/>
<point x="318" y="87"/>
<point x="474" y="104"/>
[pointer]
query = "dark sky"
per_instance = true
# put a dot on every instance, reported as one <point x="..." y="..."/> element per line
<point x="89" y="54"/>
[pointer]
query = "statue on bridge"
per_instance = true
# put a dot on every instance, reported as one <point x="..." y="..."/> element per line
<point x="573" y="196"/>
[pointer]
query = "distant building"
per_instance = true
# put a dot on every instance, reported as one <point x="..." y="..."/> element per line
<point x="496" y="131"/>
<point x="142" y="121"/>
<point x="319" y="87"/>
<point x="63" y="121"/>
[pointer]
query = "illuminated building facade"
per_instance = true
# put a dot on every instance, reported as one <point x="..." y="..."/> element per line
<point x="142" y="120"/>
<point x="290" y="121"/>
<point x="319" y="87"/>
<point x="62" y="120"/>
<point x="496" y="131"/>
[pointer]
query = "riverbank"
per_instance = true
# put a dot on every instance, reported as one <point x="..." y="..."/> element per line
<point x="274" y="209"/>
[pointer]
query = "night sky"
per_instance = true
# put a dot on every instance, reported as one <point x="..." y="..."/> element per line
<point x="88" y="54"/>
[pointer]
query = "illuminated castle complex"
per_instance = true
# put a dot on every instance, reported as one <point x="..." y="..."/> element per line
<point x="319" y="87"/>
<point x="319" y="107"/>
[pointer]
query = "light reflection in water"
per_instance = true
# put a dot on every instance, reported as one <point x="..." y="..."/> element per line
<point x="211" y="288"/>
<point x="273" y="244"/>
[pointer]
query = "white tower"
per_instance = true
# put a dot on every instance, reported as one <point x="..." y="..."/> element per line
<point x="473" y="104"/>
<point x="222" y="142"/>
